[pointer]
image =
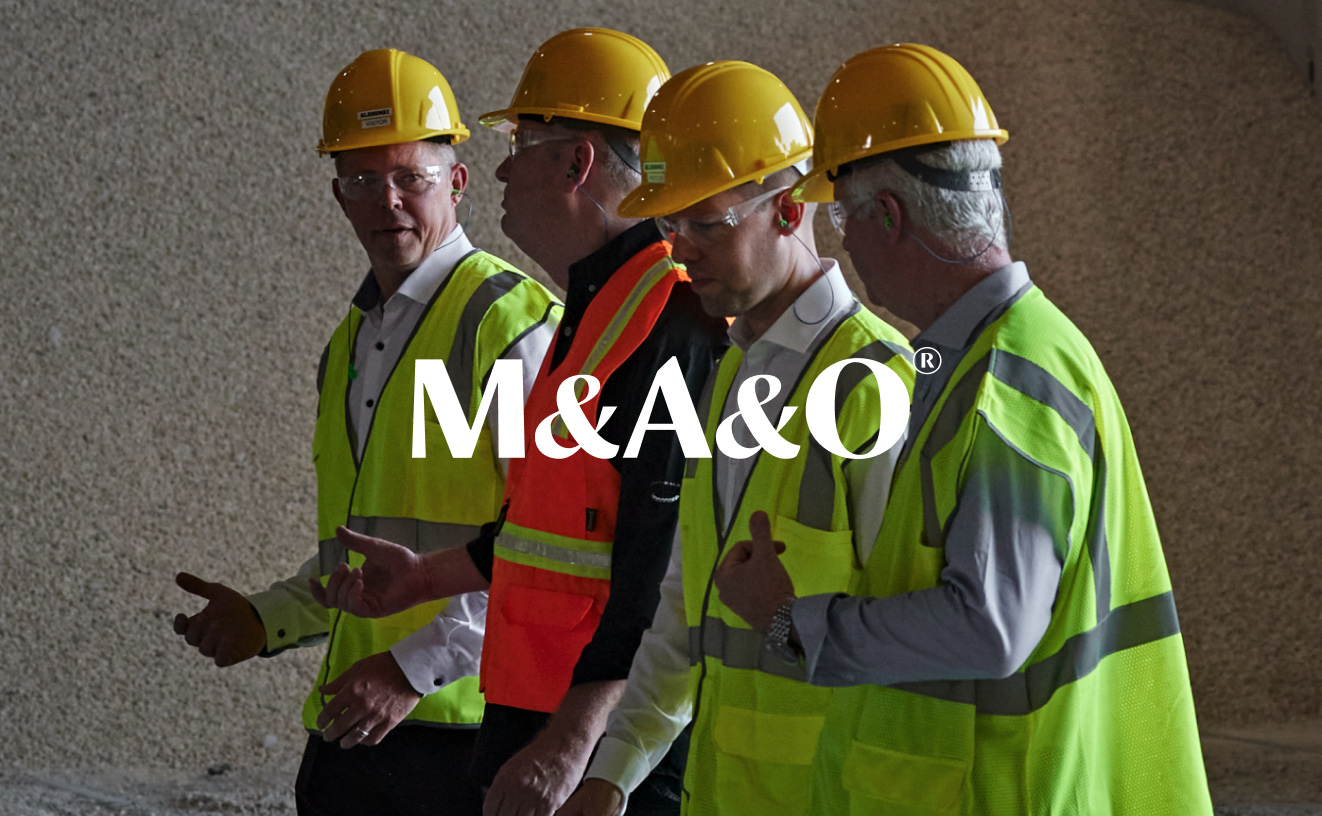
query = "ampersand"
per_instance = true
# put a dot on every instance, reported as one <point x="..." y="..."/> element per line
<point x="570" y="414"/>
<point x="750" y="409"/>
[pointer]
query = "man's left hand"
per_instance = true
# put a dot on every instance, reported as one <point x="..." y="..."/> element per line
<point x="537" y="780"/>
<point x="751" y="581"/>
<point x="370" y="699"/>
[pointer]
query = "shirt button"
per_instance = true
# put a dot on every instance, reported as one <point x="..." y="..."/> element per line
<point x="592" y="287"/>
<point x="569" y="331"/>
<point x="280" y="633"/>
<point x="370" y="403"/>
<point x="380" y="346"/>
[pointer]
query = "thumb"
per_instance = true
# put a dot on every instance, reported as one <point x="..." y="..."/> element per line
<point x="759" y="525"/>
<point x="760" y="528"/>
<point x="357" y="542"/>
<point x="196" y="586"/>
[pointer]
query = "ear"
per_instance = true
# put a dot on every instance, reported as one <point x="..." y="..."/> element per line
<point x="887" y="206"/>
<point x="339" y="197"/>
<point x="458" y="180"/>
<point x="788" y="214"/>
<point x="584" y="159"/>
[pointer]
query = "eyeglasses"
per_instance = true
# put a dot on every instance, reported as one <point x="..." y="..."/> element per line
<point x="524" y="139"/>
<point x="706" y="230"/>
<point x="407" y="181"/>
<point x="840" y="214"/>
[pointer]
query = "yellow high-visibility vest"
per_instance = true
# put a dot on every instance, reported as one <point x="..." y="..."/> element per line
<point x="756" y="721"/>
<point x="481" y="310"/>
<point x="1100" y="718"/>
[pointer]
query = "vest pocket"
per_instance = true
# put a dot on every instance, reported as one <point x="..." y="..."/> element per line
<point x="545" y="608"/>
<point x="763" y="760"/>
<point x="819" y="561"/>
<point x="879" y="779"/>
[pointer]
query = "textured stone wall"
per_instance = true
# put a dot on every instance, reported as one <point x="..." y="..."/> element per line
<point x="173" y="262"/>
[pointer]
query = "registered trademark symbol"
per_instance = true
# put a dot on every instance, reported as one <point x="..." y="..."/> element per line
<point x="927" y="360"/>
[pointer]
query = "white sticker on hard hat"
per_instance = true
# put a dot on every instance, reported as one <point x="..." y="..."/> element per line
<point x="655" y="172"/>
<point x="380" y="117"/>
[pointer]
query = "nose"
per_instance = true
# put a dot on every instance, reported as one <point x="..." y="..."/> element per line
<point x="503" y="170"/>
<point x="683" y="250"/>
<point x="391" y="198"/>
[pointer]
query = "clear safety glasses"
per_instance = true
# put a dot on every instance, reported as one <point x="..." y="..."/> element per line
<point x="523" y="139"/>
<point x="840" y="214"/>
<point x="706" y="230"/>
<point x="407" y="181"/>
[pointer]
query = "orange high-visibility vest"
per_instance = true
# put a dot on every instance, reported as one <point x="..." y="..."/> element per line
<point x="551" y="575"/>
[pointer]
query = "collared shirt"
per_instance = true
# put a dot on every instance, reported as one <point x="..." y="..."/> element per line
<point x="450" y="646"/>
<point x="656" y="704"/>
<point x="1002" y="564"/>
<point x="387" y="328"/>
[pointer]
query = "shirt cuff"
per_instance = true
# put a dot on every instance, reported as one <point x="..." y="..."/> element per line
<point x="287" y="622"/>
<point x="425" y="669"/>
<point x="620" y="764"/>
<point x="810" y="623"/>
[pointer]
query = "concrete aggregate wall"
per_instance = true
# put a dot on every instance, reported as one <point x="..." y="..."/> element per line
<point x="173" y="263"/>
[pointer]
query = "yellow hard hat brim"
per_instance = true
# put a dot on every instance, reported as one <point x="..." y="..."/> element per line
<point x="651" y="201"/>
<point x="507" y="120"/>
<point x="816" y="187"/>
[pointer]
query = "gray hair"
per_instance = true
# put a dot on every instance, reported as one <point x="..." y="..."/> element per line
<point x="964" y="222"/>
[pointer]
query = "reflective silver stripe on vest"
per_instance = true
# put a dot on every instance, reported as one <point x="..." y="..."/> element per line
<point x="1032" y="380"/>
<point x="419" y="536"/>
<point x="1135" y="624"/>
<point x="739" y="649"/>
<point x="1095" y="536"/>
<point x="459" y="363"/>
<point x="1024" y="376"/>
<point x="956" y="407"/>
<point x="553" y="552"/>
<point x="817" y="487"/>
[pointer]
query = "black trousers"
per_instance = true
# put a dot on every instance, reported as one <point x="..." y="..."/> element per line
<point x="417" y="770"/>
<point x="505" y="731"/>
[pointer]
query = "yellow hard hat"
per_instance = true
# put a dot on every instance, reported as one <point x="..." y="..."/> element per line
<point x="890" y="98"/>
<point x="388" y="97"/>
<point x="593" y="74"/>
<point x="712" y="128"/>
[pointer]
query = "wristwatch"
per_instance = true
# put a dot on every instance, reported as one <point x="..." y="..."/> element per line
<point x="778" y="633"/>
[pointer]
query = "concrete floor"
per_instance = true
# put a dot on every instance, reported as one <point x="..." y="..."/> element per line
<point x="1252" y="772"/>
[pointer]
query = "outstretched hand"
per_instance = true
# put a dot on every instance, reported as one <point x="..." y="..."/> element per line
<point x="391" y="580"/>
<point x="227" y="629"/>
<point x="751" y="581"/>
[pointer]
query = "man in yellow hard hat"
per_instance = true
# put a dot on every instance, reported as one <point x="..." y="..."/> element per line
<point x="390" y="125"/>
<point x="723" y="143"/>
<point x="575" y="561"/>
<point x="1012" y="644"/>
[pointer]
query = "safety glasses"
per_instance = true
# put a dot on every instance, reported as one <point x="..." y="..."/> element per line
<point x="407" y="181"/>
<point x="523" y="139"/>
<point x="706" y="230"/>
